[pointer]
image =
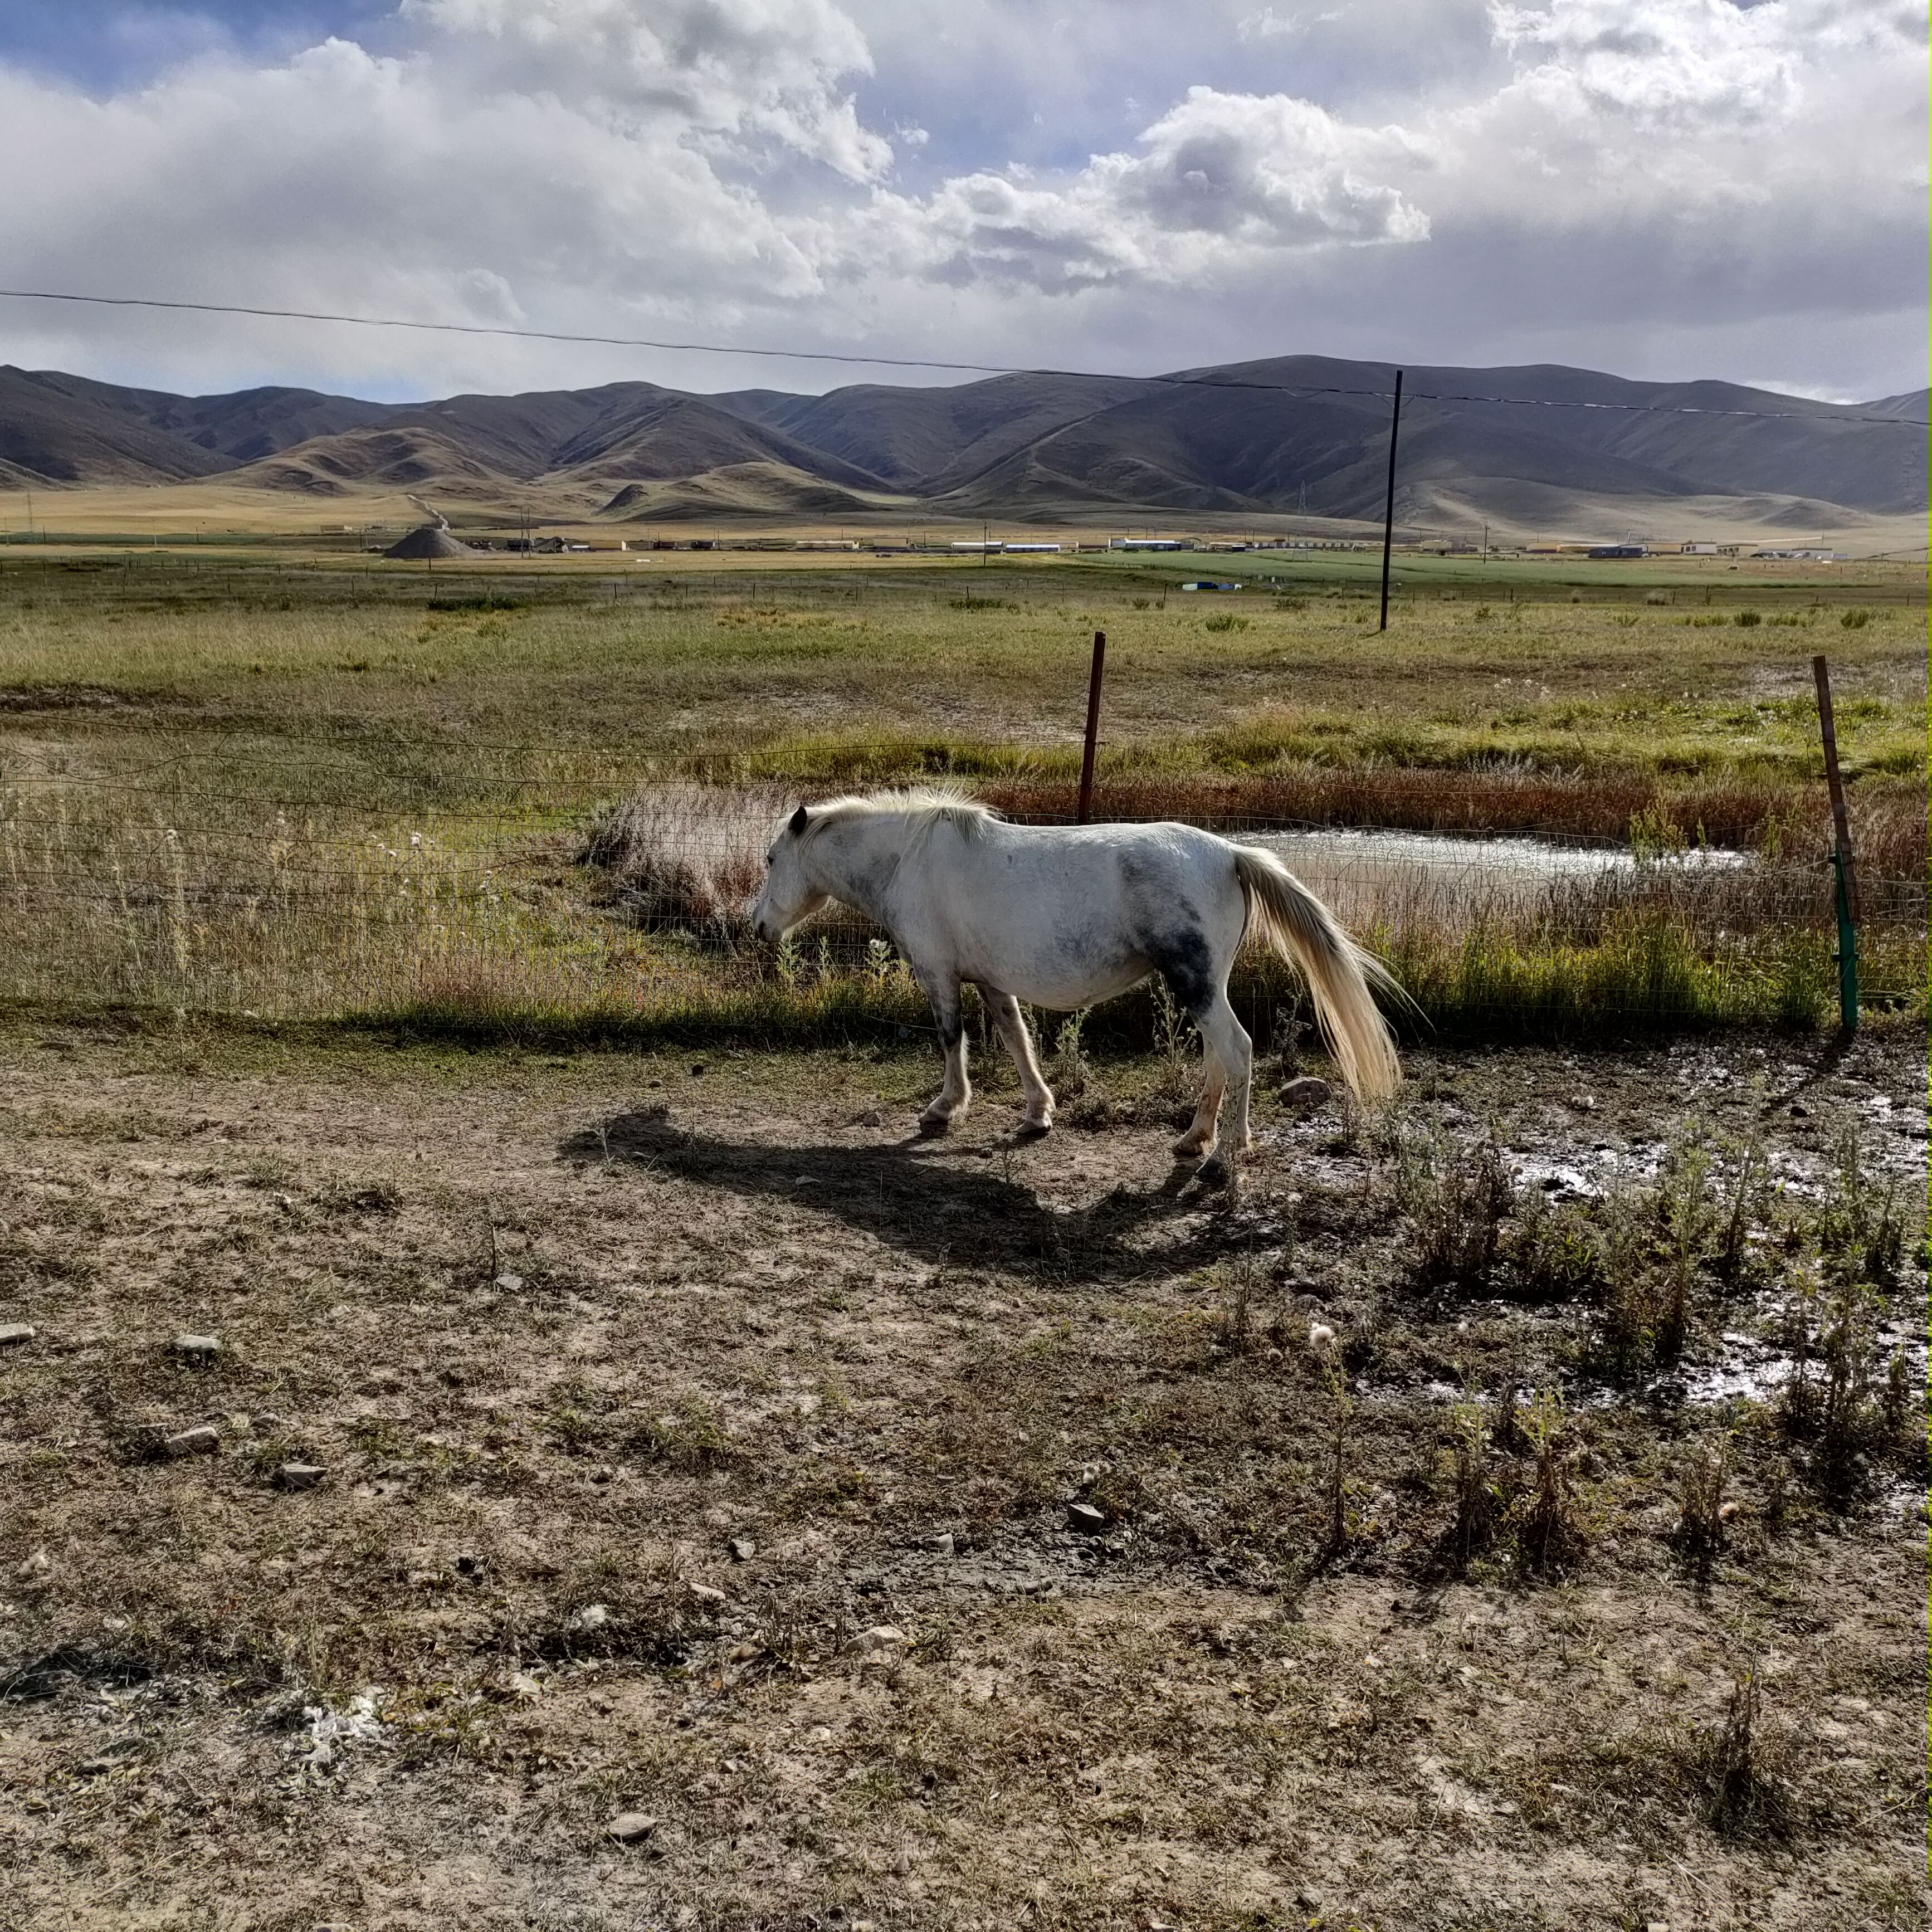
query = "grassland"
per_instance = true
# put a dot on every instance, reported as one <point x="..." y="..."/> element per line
<point x="299" y="787"/>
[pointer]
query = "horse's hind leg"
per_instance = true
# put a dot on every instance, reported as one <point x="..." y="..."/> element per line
<point x="1200" y="1135"/>
<point x="1233" y="1052"/>
<point x="1012" y="1027"/>
<point x="956" y="1094"/>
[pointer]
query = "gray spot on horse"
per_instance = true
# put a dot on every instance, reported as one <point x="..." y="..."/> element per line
<point x="1182" y="958"/>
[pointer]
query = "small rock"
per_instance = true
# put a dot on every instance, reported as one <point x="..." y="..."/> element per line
<point x="871" y="1117"/>
<point x="509" y="1283"/>
<point x="1086" y="1519"/>
<point x="203" y="1441"/>
<point x="1305" y="1092"/>
<point x="299" y="1475"/>
<point x="37" y="1564"/>
<point x="11" y="1332"/>
<point x="743" y="1548"/>
<point x="882" y="1637"/>
<point x="708" y="1593"/>
<point x="201" y="1347"/>
<point x="632" y="1827"/>
<point x="592" y="1616"/>
<point x="521" y="1684"/>
<point x="942" y="1542"/>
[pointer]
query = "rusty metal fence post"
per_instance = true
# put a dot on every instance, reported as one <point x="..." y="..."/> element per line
<point x="1093" y="727"/>
<point x="1846" y="890"/>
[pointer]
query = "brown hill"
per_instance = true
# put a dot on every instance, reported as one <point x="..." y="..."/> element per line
<point x="1280" y="435"/>
<point x="402" y="458"/>
<point x="742" y="490"/>
<point x="665" y="435"/>
<point x="49" y="434"/>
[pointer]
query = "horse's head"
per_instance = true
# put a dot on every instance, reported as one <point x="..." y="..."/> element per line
<point x="789" y="897"/>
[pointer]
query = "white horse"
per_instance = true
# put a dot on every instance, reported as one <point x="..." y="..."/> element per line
<point x="1061" y="916"/>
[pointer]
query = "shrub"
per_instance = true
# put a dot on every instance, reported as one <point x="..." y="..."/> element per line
<point x="1861" y="1235"/>
<point x="1701" y="1511"/>
<point x="1855" y="619"/>
<point x="1746" y="620"/>
<point x="687" y="857"/>
<point x="1549" y="1530"/>
<point x="1458" y="1200"/>
<point x="1226" y="621"/>
<point x="1552" y="1257"/>
<point x="1745" y="1793"/>
<point x="1477" y="1496"/>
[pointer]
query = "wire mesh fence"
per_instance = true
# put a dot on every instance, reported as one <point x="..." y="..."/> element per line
<point x="577" y="898"/>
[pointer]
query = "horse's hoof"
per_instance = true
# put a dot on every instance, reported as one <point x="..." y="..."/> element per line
<point x="931" y="1125"/>
<point x="1190" y="1149"/>
<point x="1032" y="1130"/>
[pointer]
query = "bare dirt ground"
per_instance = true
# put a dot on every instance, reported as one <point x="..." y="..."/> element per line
<point x="921" y="1534"/>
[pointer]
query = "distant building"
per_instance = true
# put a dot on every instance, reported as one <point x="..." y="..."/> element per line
<point x="1208" y="583"/>
<point x="1032" y="550"/>
<point x="1602" y="551"/>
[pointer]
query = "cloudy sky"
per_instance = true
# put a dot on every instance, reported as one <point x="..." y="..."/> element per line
<point x="1661" y="187"/>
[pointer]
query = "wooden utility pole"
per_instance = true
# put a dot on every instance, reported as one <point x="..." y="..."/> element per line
<point x="1093" y="727"/>
<point x="1388" y="506"/>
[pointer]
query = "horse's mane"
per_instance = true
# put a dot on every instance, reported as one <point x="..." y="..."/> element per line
<point x="924" y="807"/>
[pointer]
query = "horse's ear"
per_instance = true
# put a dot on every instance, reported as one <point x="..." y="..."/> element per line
<point x="800" y="819"/>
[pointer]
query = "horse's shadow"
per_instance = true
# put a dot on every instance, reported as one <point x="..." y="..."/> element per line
<point x="940" y="1210"/>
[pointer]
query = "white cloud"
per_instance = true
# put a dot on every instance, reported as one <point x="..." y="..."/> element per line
<point x="1613" y="181"/>
<point x="769" y="68"/>
<point x="1268" y="25"/>
<point x="1657" y="63"/>
<point x="1222" y="180"/>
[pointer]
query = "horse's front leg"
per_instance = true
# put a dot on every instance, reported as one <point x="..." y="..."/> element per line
<point x="1012" y="1028"/>
<point x="956" y="1094"/>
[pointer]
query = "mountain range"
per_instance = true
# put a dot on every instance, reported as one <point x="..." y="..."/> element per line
<point x="1306" y="434"/>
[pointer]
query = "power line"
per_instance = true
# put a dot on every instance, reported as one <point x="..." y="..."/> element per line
<point x="849" y="360"/>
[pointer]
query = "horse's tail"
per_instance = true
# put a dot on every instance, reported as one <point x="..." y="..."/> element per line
<point x="1284" y="912"/>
